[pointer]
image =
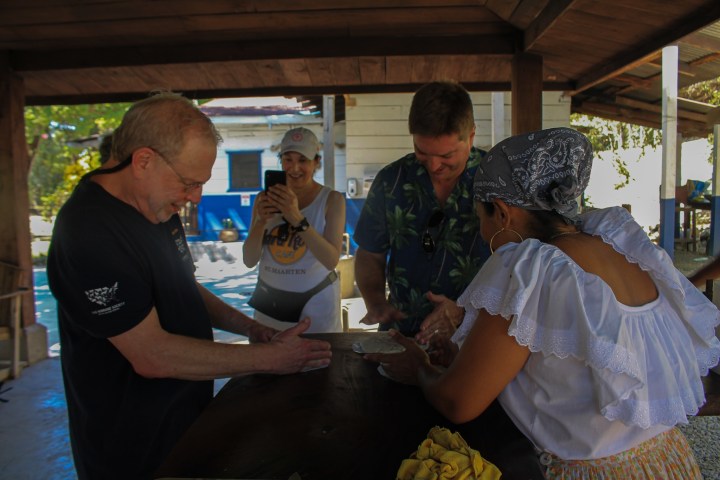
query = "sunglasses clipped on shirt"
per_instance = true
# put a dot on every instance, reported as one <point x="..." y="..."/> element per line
<point x="428" y="242"/>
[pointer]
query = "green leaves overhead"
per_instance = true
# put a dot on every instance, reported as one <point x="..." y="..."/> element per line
<point x="55" y="164"/>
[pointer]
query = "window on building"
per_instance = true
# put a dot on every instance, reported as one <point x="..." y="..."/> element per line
<point x="245" y="170"/>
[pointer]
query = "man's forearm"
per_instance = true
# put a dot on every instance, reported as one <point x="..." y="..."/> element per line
<point x="223" y="316"/>
<point x="370" y="276"/>
<point x="195" y="359"/>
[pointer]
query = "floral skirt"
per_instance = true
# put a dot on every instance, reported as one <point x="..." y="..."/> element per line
<point x="664" y="457"/>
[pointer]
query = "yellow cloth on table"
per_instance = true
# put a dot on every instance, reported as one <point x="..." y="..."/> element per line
<point x="445" y="455"/>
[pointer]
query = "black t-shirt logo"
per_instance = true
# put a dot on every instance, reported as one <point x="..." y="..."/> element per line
<point x="103" y="296"/>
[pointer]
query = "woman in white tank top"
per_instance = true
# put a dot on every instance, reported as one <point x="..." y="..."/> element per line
<point x="296" y="236"/>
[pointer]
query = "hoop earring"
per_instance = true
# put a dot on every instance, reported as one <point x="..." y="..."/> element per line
<point x="492" y="250"/>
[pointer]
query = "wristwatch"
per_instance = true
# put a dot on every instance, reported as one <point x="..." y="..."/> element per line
<point x="302" y="226"/>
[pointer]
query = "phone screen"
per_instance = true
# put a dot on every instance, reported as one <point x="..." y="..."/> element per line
<point x="273" y="177"/>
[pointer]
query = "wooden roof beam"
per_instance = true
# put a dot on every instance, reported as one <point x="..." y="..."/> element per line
<point x="615" y="72"/>
<point x="638" y="117"/>
<point x="651" y="107"/>
<point x="645" y="82"/>
<point x="262" y="50"/>
<point x="713" y="117"/>
<point x="547" y="18"/>
<point x="130" y="96"/>
<point x="706" y="59"/>
<point x="684" y="68"/>
<point x="639" y="83"/>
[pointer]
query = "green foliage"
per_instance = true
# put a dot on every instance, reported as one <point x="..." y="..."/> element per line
<point x="55" y="166"/>
<point x="706" y="92"/>
<point x="611" y="136"/>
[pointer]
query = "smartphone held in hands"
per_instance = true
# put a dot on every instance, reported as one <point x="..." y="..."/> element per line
<point x="274" y="177"/>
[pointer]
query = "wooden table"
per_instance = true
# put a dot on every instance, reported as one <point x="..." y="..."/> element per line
<point x="342" y="422"/>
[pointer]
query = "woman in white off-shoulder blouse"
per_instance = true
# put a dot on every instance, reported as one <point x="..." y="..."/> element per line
<point x="580" y="326"/>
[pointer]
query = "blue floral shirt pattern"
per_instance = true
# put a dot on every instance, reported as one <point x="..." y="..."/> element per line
<point x="397" y="214"/>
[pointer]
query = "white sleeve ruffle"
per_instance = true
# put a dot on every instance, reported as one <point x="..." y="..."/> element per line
<point x="645" y="362"/>
<point x="618" y="229"/>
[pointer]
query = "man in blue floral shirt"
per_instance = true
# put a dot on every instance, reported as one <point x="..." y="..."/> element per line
<point x="418" y="229"/>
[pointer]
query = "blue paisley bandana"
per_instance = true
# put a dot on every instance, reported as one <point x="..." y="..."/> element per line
<point x="544" y="170"/>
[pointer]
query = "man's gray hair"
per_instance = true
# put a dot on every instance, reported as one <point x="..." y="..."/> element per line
<point x="163" y="121"/>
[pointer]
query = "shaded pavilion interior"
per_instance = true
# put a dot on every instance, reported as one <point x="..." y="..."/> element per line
<point x="605" y="55"/>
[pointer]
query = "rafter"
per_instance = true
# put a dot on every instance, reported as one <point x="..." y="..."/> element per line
<point x="619" y="113"/>
<point x="654" y="108"/>
<point x="616" y="73"/>
<point x="705" y="59"/>
<point x="547" y="18"/>
<point x="684" y="68"/>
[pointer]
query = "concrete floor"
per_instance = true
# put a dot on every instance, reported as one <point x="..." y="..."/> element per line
<point x="34" y="440"/>
<point x="33" y="426"/>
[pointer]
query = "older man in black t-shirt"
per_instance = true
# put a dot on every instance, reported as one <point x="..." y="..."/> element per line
<point x="138" y="355"/>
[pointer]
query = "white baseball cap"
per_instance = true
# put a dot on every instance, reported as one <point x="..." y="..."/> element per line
<point x="300" y="140"/>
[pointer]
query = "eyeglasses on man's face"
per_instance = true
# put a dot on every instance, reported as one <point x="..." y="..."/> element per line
<point x="428" y="242"/>
<point x="188" y="184"/>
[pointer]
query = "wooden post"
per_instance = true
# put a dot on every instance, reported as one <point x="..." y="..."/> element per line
<point x="14" y="170"/>
<point x="527" y="88"/>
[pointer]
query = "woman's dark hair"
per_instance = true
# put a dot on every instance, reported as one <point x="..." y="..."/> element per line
<point x="544" y="224"/>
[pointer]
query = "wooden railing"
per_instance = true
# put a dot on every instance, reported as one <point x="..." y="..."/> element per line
<point x="11" y="292"/>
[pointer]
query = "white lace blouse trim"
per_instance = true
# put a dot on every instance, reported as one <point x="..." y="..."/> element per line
<point x="647" y="366"/>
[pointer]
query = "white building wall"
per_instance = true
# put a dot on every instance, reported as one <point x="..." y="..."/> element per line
<point x="374" y="133"/>
<point x="377" y="130"/>
<point x="248" y="134"/>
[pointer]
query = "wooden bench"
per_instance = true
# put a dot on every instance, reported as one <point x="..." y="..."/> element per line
<point x="11" y="291"/>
